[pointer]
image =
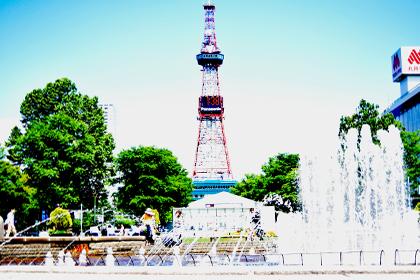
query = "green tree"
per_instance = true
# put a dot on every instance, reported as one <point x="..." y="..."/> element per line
<point x="367" y="113"/>
<point x="252" y="187"/>
<point x="281" y="173"/>
<point x="151" y="177"/>
<point x="64" y="147"/>
<point x="279" y="177"/>
<point x="411" y="141"/>
<point x="15" y="191"/>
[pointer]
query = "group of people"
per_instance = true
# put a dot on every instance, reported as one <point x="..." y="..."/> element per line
<point x="149" y="223"/>
<point x="148" y="220"/>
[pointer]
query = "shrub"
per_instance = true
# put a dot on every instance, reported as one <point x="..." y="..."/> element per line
<point x="61" y="219"/>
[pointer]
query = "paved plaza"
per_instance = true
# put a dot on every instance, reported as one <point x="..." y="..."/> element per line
<point x="220" y="273"/>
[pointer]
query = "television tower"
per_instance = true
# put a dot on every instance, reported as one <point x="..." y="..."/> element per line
<point x="211" y="163"/>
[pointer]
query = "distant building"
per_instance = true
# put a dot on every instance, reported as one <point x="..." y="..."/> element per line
<point x="406" y="71"/>
<point x="110" y="113"/>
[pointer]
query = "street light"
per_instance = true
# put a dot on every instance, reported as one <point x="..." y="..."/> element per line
<point x="81" y="219"/>
<point x="103" y="217"/>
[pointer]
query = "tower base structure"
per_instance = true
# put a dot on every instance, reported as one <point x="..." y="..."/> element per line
<point x="202" y="188"/>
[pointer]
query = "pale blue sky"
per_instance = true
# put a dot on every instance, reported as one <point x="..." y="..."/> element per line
<point x="291" y="68"/>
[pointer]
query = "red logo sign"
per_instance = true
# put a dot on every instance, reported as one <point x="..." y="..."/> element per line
<point x="414" y="57"/>
<point x="395" y="62"/>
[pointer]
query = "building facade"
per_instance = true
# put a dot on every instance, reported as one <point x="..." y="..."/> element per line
<point x="406" y="71"/>
<point x="110" y="113"/>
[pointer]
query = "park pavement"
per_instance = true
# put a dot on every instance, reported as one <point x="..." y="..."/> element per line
<point x="219" y="273"/>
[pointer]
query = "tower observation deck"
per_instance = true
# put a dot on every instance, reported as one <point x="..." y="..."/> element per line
<point x="212" y="172"/>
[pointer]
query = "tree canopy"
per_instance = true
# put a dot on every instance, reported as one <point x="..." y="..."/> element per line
<point x="15" y="191"/>
<point x="151" y="177"/>
<point x="280" y="173"/>
<point x="64" y="147"/>
<point x="367" y="113"/>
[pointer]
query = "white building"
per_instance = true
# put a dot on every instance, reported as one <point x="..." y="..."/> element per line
<point x="224" y="212"/>
<point x="110" y="113"/>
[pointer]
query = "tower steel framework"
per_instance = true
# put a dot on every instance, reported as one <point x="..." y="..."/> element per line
<point x="211" y="156"/>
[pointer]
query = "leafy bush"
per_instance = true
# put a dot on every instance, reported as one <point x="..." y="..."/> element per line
<point x="61" y="219"/>
<point x="417" y="208"/>
<point x="59" y="232"/>
<point x="157" y="220"/>
<point x="120" y="220"/>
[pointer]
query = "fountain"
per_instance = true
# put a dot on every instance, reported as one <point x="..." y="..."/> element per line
<point x="355" y="211"/>
<point x="358" y="200"/>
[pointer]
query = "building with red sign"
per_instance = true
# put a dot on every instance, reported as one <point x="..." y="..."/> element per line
<point x="406" y="71"/>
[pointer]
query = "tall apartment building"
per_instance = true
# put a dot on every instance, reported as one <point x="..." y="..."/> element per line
<point x="110" y="113"/>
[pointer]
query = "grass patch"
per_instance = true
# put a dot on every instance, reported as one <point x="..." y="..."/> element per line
<point x="207" y="239"/>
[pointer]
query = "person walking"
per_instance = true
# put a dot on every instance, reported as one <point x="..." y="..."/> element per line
<point x="10" y="222"/>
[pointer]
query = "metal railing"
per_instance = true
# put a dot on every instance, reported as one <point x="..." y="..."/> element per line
<point x="360" y="258"/>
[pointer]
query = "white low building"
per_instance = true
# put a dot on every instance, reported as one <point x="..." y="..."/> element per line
<point x="224" y="212"/>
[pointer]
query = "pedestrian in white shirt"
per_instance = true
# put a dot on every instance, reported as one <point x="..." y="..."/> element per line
<point x="10" y="222"/>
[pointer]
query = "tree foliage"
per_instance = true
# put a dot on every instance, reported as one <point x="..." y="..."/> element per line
<point x="151" y="177"/>
<point x="15" y="191"/>
<point x="281" y="173"/>
<point x="64" y="147"/>
<point x="252" y="187"/>
<point x="367" y="113"/>
<point x="279" y="177"/>
<point x="411" y="141"/>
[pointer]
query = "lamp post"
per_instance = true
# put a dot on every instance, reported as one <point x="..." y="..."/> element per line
<point x="81" y="219"/>
<point x="94" y="208"/>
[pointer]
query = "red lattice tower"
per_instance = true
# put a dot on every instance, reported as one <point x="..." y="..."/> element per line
<point x="211" y="156"/>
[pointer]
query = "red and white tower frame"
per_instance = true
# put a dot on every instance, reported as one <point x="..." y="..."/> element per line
<point x="211" y="156"/>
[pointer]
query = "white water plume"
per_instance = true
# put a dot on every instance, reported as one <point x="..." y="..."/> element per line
<point x="358" y="199"/>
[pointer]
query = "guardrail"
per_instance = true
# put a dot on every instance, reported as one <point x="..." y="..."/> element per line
<point x="360" y="258"/>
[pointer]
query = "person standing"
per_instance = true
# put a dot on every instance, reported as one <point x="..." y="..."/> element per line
<point x="256" y="224"/>
<point x="148" y="220"/>
<point x="251" y="224"/>
<point x="178" y="225"/>
<point x="10" y="222"/>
